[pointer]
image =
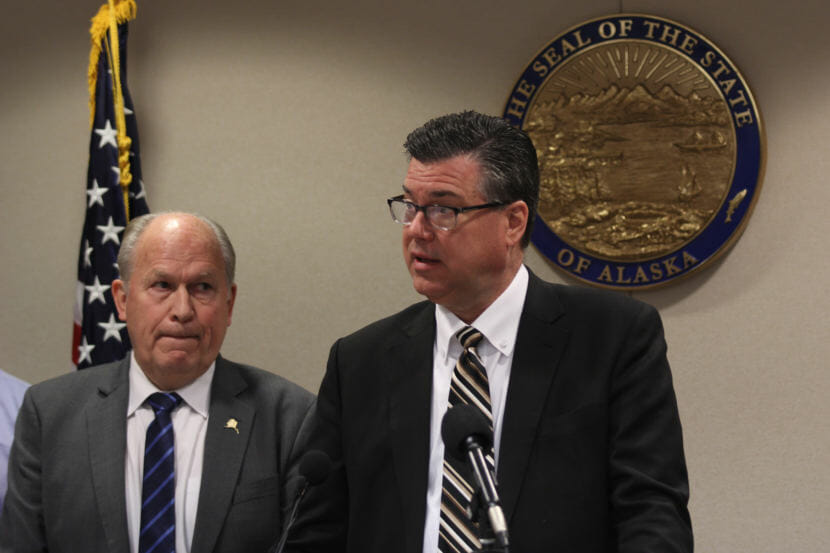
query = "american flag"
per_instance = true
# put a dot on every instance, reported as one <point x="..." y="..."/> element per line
<point x="99" y="336"/>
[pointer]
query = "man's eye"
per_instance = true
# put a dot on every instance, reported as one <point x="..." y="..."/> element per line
<point x="162" y="285"/>
<point x="204" y="287"/>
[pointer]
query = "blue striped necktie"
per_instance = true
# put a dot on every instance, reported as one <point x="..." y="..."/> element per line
<point x="469" y="385"/>
<point x="158" y="488"/>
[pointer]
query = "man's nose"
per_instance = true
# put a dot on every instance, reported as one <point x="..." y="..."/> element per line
<point x="420" y="226"/>
<point x="182" y="309"/>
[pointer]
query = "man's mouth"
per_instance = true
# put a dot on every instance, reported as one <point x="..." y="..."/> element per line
<point x="424" y="259"/>
<point x="178" y="336"/>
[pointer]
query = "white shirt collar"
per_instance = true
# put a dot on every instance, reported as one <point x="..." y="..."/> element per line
<point x="499" y="323"/>
<point x="196" y="394"/>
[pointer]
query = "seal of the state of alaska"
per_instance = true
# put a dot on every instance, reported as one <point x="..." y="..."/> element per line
<point x="650" y="145"/>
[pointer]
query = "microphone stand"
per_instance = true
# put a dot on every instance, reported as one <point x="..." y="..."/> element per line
<point x="280" y="545"/>
<point x="477" y="511"/>
<point x="314" y="468"/>
<point x="485" y="508"/>
<point x="466" y="433"/>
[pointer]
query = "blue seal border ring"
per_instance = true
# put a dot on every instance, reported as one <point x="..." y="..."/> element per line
<point x="719" y="235"/>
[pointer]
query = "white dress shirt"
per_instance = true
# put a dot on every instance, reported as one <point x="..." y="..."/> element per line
<point x="499" y="324"/>
<point x="11" y="396"/>
<point x="189" y="425"/>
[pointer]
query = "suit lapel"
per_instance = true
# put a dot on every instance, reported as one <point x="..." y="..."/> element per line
<point x="409" y="378"/>
<point x="224" y="452"/>
<point x="540" y="342"/>
<point x="106" y="428"/>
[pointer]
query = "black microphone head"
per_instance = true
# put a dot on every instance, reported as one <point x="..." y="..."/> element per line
<point x="315" y="466"/>
<point x="464" y="426"/>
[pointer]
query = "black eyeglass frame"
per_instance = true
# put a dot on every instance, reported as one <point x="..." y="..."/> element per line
<point x="456" y="210"/>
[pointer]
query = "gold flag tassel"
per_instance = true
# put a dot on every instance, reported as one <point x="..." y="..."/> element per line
<point x="106" y="21"/>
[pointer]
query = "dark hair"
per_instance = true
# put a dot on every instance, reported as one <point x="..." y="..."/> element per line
<point x="506" y="155"/>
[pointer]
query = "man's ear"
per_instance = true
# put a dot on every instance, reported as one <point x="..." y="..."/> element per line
<point x="119" y="295"/>
<point x="231" y="300"/>
<point x="517" y="214"/>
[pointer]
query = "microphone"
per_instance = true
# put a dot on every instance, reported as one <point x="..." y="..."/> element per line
<point x="314" y="468"/>
<point x="466" y="434"/>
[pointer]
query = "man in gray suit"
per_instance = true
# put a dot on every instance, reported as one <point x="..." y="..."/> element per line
<point x="79" y="476"/>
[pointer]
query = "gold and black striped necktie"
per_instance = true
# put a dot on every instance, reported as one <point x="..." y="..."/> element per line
<point x="456" y="532"/>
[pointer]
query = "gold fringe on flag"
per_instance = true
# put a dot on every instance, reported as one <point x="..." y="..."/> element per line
<point x="106" y="21"/>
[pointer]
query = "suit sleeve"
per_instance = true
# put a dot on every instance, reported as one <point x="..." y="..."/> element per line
<point x="298" y="447"/>
<point x="322" y="518"/>
<point x="648" y="479"/>
<point x="21" y="525"/>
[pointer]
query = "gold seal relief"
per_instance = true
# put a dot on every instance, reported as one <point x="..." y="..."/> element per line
<point x="651" y="150"/>
<point x="636" y="149"/>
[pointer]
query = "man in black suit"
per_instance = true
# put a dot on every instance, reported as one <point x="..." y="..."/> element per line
<point x="588" y="446"/>
<point x="79" y="475"/>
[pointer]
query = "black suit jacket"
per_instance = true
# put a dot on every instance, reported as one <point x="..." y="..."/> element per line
<point x="66" y="469"/>
<point x="591" y="457"/>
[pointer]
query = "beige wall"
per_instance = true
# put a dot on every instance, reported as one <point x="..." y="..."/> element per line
<point x="284" y="121"/>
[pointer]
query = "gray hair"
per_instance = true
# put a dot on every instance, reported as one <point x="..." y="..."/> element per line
<point x="506" y="155"/>
<point x="137" y="226"/>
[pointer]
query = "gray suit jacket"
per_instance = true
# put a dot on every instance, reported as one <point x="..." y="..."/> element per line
<point x="66" y="469"/>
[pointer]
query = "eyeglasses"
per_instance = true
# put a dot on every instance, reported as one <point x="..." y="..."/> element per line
<point x="439" y="216"/>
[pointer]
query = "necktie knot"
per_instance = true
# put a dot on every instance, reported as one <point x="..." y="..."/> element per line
<point x="469" y="337"/>
<point x="163" y="402"/>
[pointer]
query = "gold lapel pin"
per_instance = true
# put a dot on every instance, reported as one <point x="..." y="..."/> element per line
<point x="233" y="424"/>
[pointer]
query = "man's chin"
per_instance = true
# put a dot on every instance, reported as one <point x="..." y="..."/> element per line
<point x="427" y="288"/>
<point x="173" y="374"/>
<point x="180" y="363"/>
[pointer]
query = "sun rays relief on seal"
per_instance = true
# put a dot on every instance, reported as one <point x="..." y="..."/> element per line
<point x="646" y="135"/>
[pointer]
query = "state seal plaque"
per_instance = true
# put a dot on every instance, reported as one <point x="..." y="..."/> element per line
<point x="650" y="145"/>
